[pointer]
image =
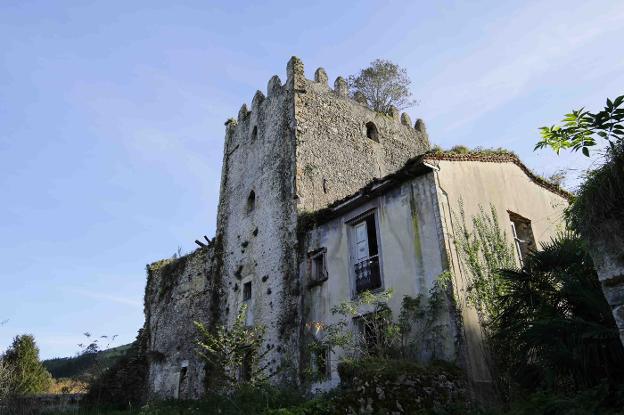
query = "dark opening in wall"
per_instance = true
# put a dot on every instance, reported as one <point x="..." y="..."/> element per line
<point x="522" y="233"/>
<point x="247" y="291"/>
<point x="322" y="364"/>
<point x="371" y="131"/>
<point x="251" y="201"/>
<point x="182" y="383"/>
<point x="366" y="254"/>
<point x="246" y="368"/>
<point x="254" y="133"/>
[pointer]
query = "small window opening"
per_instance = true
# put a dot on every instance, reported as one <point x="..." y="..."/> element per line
<point x="247" y="291"/>
<point x="366" y="255"/>
<point x="319" y="272"/>
<point x="322" y="366"/>
<point x="246" y="368"/>
<point x="373" y="332"/>
<point x="371" y="131"/>
<point x="182" y="383"/>
<point x="254" y="133"/>
<point x="523" y="236"/>
<point x="251" y="201"/>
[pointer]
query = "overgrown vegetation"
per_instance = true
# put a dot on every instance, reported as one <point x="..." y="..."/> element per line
<point x="233" y="354"/>
<point x="598" y="206"/>
<point x="123" y="384"/>
<point x="461" y="149"/>
<point x="548" y="325"/>
<point x="553" y="328"/>
<point x="484" y="250"/>
<point x="365" y="329"/>
<point x="384" y="85"/>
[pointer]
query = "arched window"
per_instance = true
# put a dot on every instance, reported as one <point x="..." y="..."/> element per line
<point x="254" y="133"/>
<point x="251" y="201"/>
<point x="371" y="131"/>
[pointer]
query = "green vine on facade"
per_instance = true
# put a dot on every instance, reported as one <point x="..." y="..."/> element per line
<point x="484" y="250"/>
<point x="233" y="355"/>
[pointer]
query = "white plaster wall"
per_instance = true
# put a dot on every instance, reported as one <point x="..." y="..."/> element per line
<point x="410" y="256"/>
<point x="506" y="187"/>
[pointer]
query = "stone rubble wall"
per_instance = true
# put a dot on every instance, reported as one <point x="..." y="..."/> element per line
<point x="179" y="292"/>
<point x="258" y="240"/>
<point x="335" y="157"/>
<point x="607" y="251"/>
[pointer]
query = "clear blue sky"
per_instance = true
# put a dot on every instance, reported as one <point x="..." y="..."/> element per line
<point x="111" y="120"/>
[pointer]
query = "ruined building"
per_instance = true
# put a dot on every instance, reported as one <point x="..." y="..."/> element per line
<point x="322" y="198"/>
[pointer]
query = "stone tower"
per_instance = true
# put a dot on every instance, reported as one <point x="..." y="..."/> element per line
<point x="299" y="148"/>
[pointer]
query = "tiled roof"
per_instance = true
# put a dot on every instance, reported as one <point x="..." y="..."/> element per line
<point x="417" y="166"/>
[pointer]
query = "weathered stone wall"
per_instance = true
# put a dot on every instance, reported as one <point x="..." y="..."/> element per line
<point x="258" y="235"/>
<point x="334" y="155"/>
<point x="607" y="250"/>
<point x="179" y="292"/>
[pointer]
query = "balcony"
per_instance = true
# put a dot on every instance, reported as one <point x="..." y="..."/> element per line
<point x="367" y="275"/>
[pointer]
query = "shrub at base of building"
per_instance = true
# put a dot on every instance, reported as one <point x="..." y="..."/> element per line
<point x="397" y="386"/>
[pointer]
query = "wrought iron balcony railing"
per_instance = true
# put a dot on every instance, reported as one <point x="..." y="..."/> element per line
<point x="367" y="275"/>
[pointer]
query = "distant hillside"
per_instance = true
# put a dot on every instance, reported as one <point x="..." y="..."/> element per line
<point x="74" y="367"/>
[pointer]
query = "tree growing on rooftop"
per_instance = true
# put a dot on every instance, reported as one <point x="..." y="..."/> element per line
<point x="384" y="84"/>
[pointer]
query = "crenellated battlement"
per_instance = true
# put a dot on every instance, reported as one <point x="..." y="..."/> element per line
<point x="296" y="82"/>
<point x="336" y="138"/>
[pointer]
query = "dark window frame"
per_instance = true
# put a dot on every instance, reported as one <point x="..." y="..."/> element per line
<point x="317" y="266"/>
<point x="251" y="202"/>
<point x="522" y="234"/>
<point x="371" y="267"/>
<point x="372" y="132"/>
<point x="247" y="291"/>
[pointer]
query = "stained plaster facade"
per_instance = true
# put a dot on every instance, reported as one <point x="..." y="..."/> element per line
<point x="416" y="217"/>
<point x="300" y="148"/>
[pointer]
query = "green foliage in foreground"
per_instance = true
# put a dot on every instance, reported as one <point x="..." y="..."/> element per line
<point x="597" y="209"/>
<point x="28" y="374"/>
<point x="484" y="249"/>
<point x="228" y="351"/>
<point x="598" y="400"/>
<point x="123" y="384"/>
<point x="580" y="128"/>
<point x="555" y="328"/>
